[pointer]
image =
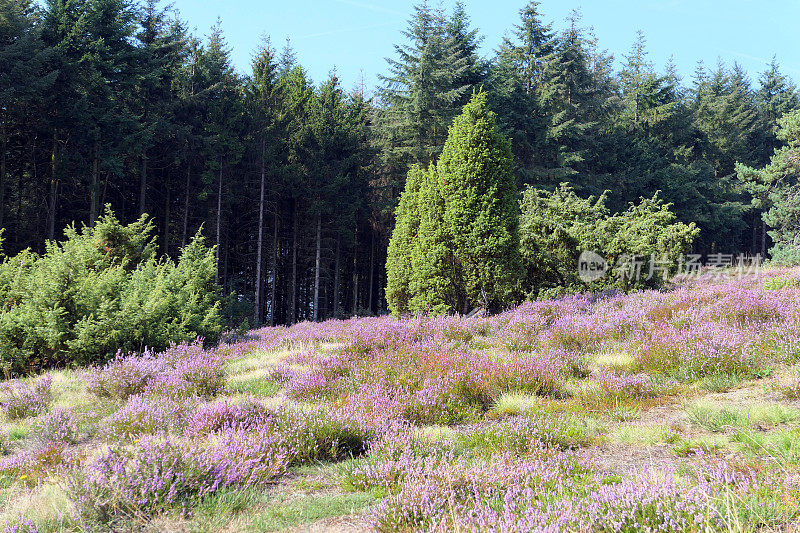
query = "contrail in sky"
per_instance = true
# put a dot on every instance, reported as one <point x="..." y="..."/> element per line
<point x="371" y="7"/>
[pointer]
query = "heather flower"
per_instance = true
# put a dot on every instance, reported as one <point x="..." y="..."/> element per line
<point x="202" y="377"/>
<point x="20" y="401"/>
<point x="124" y="376"/>
<point x="224" y="416"/>
<point x="624" y="386"/>
<point x="160" y="474"/>
<point x="143" y="415"/>
<point x="22" y="526"/>
<point x="32" y="466"/>
<point x="59" y="425"/>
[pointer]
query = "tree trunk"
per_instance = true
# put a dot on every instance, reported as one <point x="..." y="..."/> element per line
<point x="3" y="173"/>
<point x="257" y="299"/>
<point x="219" y="219"/>
<point x="166" y="220"/>
<point x="94" y="204"/>
<point x="143" y="185"/>
<point x="51" y="222"/>
<point x="293" y="282"/>
<point x="355" y="275"/>
<point x="185" y="235"/>
<point x="316" y="268"/>
<point x="763" y="240"/>
<point x="336" y="276"/>
<point x="274" y="270"/>
<point x="371" y="269"/>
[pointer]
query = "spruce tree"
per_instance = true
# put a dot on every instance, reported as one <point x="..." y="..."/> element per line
<point x="574" y="98"/>
<point x="776" y="96"/>
<point x="425" y="86"/>
<point x="646" y="96"/>
<point x="516" y="89"/>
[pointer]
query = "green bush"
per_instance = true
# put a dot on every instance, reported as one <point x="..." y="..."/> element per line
<point x="555" y="227"/>
<point x="101" y="290"/>
<point x="778" y="283"/>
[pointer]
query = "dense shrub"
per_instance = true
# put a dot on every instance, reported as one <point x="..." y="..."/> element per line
<point x="555" y="227"/>
<point x="21" y="401"/>
<point x="143" y="415"/>
<point x="33" y="466"/>
<point x="100" y="290"/>
<point x="59" y="425"/>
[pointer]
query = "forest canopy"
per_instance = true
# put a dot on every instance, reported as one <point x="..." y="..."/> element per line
<point x="296" y="182"/>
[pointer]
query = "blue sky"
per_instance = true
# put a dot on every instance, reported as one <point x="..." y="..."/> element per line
<point x="356" y="35"/>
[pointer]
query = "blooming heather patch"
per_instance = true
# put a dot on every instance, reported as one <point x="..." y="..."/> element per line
<point x="229" y="449"/>
<point x="365" y="391"/>
<point x="124" y="376"/>
<point x="706" y="349"/>
<point x="59" y="425"/>
<point x="21" y="401"/>
<point x="221" y="416"/>
<point x="161" y="474"/>
<point x="23" y="525"/>
<point x="524" y="435"/>
<point x="321" y="435"/>
<point x="151" y="478"/>
<point x="33" y="466"/>
<point x="625" y="386"/>
<point x="183" y="371"/>
<point x="142" y="415"/>
<point x="552" y="491"/>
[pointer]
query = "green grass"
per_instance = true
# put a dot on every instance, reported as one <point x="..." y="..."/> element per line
<point x="781" y="446"/>
<point x="719" y="382"/>
<point x="221" y="508"/>
<point x="687" y="447"/>
<point x="256" y="387"/>
<point x="284" y="513"/>
<point x="715" y="418"/>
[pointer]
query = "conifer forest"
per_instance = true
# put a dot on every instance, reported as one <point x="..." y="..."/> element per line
<point x="117" y="103"/>
<point x="534" y="287"/>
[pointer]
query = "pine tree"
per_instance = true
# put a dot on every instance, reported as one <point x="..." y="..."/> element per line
<point x="224" y="123"/>
<point x="531" y="46"/>
<point x="776" y="96"/>
<point x="646" y="97"/>
<point x="264" y="102"/>
<point x="25" y="81"/>
<point x="725" y="113"/>
<point x="779" y="182"/>
<point x="573" y="97"/>
<point x="464" y="41"/>
<point x="162" y="50"/>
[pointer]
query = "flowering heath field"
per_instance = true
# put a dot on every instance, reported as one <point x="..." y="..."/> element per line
<point x="673" y="410"/>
